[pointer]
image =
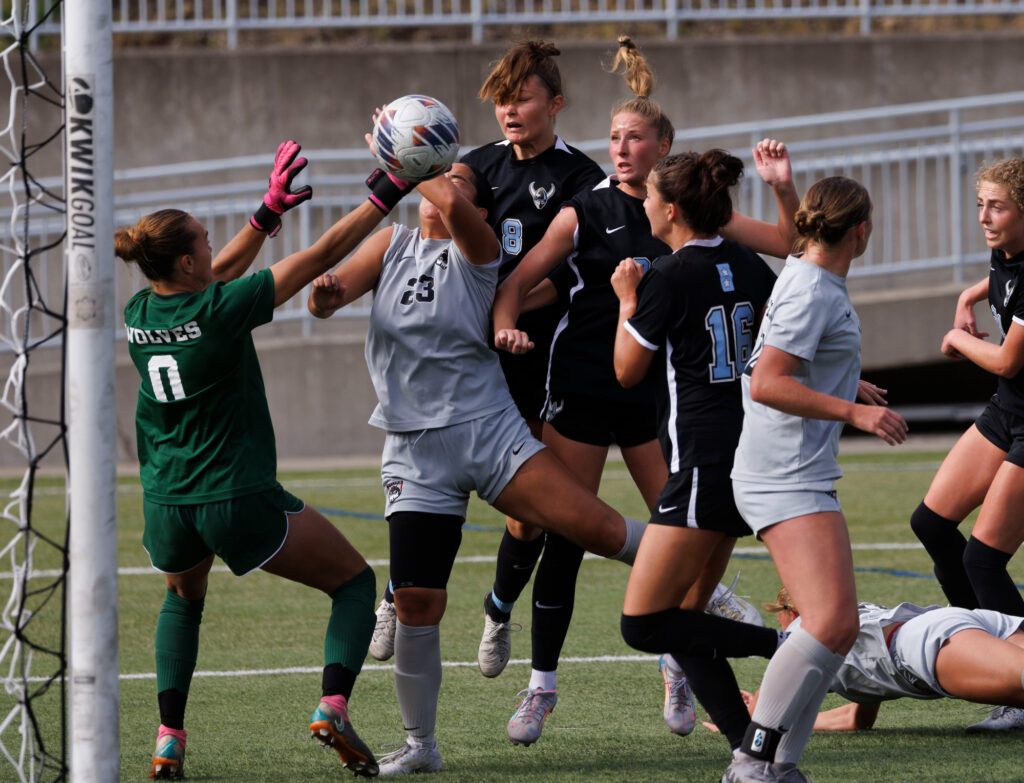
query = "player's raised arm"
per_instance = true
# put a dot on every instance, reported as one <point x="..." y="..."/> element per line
<point x="464" y="220"/>
<point x="238" y="254"/>
<point x="772" y="161"/>
<point x="556" y="244"/>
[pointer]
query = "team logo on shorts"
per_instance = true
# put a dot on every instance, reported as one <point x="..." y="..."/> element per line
<point x="552" y="408"/>
<point x="540" y="195"/>
<point x="394" y="489"/>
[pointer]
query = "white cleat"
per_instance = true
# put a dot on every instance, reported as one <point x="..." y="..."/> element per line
<point x="1001" y="719"/>
<point x="495" y="647"/>
<point x="725" y="603"/>
<point x="747" y="770"/>
<point x="411" y="760"/>
<point x="382" y="643"/>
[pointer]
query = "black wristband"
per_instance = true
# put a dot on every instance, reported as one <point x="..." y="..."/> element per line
<point x="385" y="193"/>
<point x="266" y="219"/>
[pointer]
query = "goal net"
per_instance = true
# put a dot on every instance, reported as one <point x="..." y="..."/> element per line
<point x="56" y="718"/>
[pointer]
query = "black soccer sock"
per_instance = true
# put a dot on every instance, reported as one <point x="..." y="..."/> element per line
<point x="986" y="568"/>
<point x="698" y="634"/>
<point x="337" y="680"/>
<point x="715" y="687"/>
<point x="945" y="545"/>
<point x="554" y="595"/>
<point x="516" y="560"/>
<point x="172" y="708"/>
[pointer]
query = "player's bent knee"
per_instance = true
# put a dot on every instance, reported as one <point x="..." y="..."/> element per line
<point x="643" y="632"/>
<point x="420" y="606"/>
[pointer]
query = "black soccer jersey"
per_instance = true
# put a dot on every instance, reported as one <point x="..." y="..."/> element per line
<point x="698" y="308"/>
<point x="612" y="226"/>
<point x="1006" y="300"/>
<point x="529" y="193"/>
<point x="527" y="196"/>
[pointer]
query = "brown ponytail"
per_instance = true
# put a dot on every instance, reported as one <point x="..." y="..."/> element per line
<point x="156" y="242"/>
<point x="640" y="79"/>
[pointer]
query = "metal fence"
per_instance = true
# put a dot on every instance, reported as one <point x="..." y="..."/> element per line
<point x="918" y="161"/>
<point x="233" y="16"/>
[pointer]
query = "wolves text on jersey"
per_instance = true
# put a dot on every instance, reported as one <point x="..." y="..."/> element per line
<point x="176" y="334"/>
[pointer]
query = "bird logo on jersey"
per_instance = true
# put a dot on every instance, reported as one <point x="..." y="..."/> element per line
<point x="1009" y="292"/>
<point x="540" y="195"/>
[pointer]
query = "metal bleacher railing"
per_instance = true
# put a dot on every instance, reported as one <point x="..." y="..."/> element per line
<point x="232" y="16"/>
<point x="918" y="161"/>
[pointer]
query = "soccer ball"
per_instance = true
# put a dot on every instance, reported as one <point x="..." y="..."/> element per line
<point x="415" y="138"/>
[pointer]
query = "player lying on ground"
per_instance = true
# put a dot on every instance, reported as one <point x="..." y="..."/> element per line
<point x="206" y="448"/>
<point x="920" y="653"/>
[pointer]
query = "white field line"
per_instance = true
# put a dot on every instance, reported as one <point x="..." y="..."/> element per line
<point x="382" y="667"/>
<point x="612" y="473"/>
<point x="742" y="550"/>
<point x="386" y="667"/>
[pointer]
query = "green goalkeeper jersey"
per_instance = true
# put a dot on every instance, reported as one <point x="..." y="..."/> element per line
<point x="202" y="422"/>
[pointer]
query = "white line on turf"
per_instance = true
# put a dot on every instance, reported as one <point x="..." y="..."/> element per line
<point x="389" y="667"/>
<point x="378" y="563"/>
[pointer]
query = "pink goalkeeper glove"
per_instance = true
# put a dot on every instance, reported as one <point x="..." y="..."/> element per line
<point x="279" y="197"/>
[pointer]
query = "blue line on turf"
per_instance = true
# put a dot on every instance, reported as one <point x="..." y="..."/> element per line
<point x="341" y="512"/>
<point x="865" y="570"/>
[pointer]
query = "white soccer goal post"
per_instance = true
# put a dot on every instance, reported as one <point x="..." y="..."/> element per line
<point x="92" y="492"/>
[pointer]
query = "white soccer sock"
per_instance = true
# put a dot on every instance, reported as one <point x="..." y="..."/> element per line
<point x="546" y="681"/>
<point x="634" y="532"/>
<point x="795" y="683"/>
<point x="418" y="679"/>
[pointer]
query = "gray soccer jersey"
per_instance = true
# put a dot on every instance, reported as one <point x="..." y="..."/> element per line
<point x="872" y="672"/>
<point x="869" y="675"/>
<point x="809" y="315"/>
<point x="427" y="343"/>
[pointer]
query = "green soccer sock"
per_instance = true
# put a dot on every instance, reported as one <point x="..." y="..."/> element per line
<point x="177" y="642"/>
<point x="352" y="622"/>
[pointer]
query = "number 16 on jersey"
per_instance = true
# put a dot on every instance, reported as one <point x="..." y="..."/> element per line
<point x="732" y="339"/>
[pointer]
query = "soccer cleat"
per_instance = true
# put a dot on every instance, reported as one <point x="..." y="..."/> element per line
<point x="525" y="726"/>
<point x="725" y="603"/>
<point x="333" y="730"/>
<point x="680" y="711"/>
<point x="382" y="644"/>
<point x="1001" y="719"/>
<point x="411" y="760"/>
<point x="168" y="758"/>
<point x="791" y="775"/>
<point x="495" y="645"/>
<point x="748" y="770"/>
